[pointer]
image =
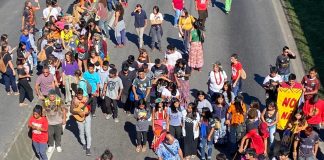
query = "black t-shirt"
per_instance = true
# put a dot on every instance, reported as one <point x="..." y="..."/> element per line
<point x="48" y="51"/>
<point x="6" y="59"/>
<point x="127" y="80"/>
<point x="21" y="71"/>
<point x="132" y="67"/>
<point x="158" y="71"/>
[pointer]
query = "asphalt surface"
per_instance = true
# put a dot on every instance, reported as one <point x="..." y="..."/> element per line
<point x="251" y="30"/>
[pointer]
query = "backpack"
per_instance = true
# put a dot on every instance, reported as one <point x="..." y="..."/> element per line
<point x="89" y="87"/>
<point x="3" y="66"/>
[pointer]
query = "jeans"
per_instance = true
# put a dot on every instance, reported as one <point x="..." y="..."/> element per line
<point x="202" y="145"/>
<point x="110" y="4"/>
<point x="228" y="4"/>
<point x="156" y="36"/>
<point x="139" y="135"/>
<point x="307" y="158"/>
<point x="140" y="32"/>
<point x="93" y="103"/>
<point x="272" y="130"/>
<point x="55" y="133"/>
<point x="68" y="79"/>
<point x="176" y="131"/>
<point x="111" y="105"/>
<point x="220" y="134"/>
<point x="285" y="77"/>
<point x="25" y="91"/>
<point x="105" y="27"/>
<point x="186" y="40"/>
<point x="176" y="17"/>
<point x="234" y="138"/>
<point x="9" y="81"/>
<point x="40" y="149"/>
<point x="34" y="55"/>
<point x="85" y="130"/>
<point x="237" y="88"/>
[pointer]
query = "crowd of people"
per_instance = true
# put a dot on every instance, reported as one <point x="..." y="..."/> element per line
<point x="75" y="75"/>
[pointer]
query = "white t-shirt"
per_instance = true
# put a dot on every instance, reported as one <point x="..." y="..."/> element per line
<point x="49" y="11"/>
<point x="277" y="78"/>
<point x="167" y="93"/>
<point x="158" y="16"/>
<point x="221" y="77"/>
<point x="172" y="58"/>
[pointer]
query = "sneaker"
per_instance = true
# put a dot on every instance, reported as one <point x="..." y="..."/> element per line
<point x="116" y="120"/>
<point x="88" y="152"/>
<point x="94" y="115"/>
<point x="108" y="116"/>
<point x="59" y="149"/>
<point x="23" y="104"/>
<point x="50" y="149"/>
<point x="144" y="148"/>
<point x="8" y="93"/>
<point x="138" y="148"/>
<point x="84" y="147"/>
<point x="16" y="93"/>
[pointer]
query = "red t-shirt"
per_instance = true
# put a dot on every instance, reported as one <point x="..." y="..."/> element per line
<point x="256" y="141"/>
<point x="178" y="4"/>
<point x="296" y="85"/>
<point x="314" y="113"/>
<point x="310" y="85"/>
<point x="235" y="69"/>
<point x="39" y="136"/>
<point x="201" y="5"/>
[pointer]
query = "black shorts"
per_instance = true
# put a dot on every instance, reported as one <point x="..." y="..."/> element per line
<point x="203" y="14"/>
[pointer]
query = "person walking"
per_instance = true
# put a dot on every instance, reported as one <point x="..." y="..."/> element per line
<point x="140" y="23"/>
<point x="94" y="80"/>
<point x="185" y="26"/>
<point x="10" y="73"/>
<point x="25" y="91"/>
<point x="283" y="62"/>
<point x="120" y="28"/>
<point x="216" y="79"/>
<point x="69" y="66"/>
<point x="196" y="54"/>
<point x="156" y="19"/>
<point x="228" y="4"/>
<point x="201" y="7"/>
<point x="236" y="74"/>
<point x="177" y="6"/>
<point x="44" y="83"/>
<point x="142" y="113"/>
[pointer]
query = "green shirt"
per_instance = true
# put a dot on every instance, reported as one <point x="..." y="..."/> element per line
<point x="195" y="35"/>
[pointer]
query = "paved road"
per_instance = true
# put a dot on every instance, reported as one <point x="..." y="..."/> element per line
<point x="251" y="30"/>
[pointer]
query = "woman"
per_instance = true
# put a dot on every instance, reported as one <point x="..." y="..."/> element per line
<point x="120" y="28"/>
<point x="171" y="56"/>
<point x="83" y="55"/>
<point x="182" y="72"/>
<point x="185" y="26"/>
<point x="92" y="29"/>
<point x="25" y="91"/>
<point x="95" y="60"/>
<point x="227" y="92"/>
<point x="270" y="116"/>
<point x="9" y="76"/>
<point x="216" y="79"/>
<point x="69" y="66"/>
<point x="156" y="31"/>
<point x="207" y="128"/>
<point x="196" y="55"/>
<point x="202" y="102"/>
<point x="23" y="54"/>
<point x="174" y="116"/>
<point x="159" y="120"/>
<point x="39" y="126"/>
<point x="102" y="13"/>
<point x="237" y="110"/>
<point x="170" y="91"/>
<point x="190" y="131"/>
<point x="143" y="57"/>
<point x="219" y="111"/>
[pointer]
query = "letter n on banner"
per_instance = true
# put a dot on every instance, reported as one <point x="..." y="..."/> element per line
<point x="287" y="103"/>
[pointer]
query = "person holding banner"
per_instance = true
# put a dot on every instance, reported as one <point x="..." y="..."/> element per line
<point x="291" y="83"/>
<point x="314" y="112"/>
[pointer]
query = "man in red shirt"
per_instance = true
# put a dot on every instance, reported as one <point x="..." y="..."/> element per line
<point x="201" y="7"/>
<point x="291" y="83"/>
<point x="236" y="74"/>
<point x="310" y="83"/>
<point x="256" y="142"/>
<point x="314" y="112"/>
<point x="177" y="6"/>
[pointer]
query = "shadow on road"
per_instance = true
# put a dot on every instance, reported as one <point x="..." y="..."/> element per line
<point x="72" y="126"/>
<point x="169" y="18"/>
<point x="220" y="5"/>
<point x="130" y="128"/>
<point x="259" y="79"/>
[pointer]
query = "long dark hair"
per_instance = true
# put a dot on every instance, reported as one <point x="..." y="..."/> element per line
<point x="194" y="111"/>
<point x="206" y="114"/>
<point x="172" y="106"/>
<point x="218" y="95"/>
<point x="302" y="119"/>
<point x="229" y="90"/>
<point x="237" y="103"/>
<point x="173" y="87"/>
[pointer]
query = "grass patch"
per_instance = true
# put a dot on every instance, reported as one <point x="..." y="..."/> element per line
<point x="306" y="20"/>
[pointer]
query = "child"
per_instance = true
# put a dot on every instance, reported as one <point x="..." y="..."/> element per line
<point x="219" y="111"/>
<point x="142" y="114"/>
<point x="159" y="120"/>
<point x="207" y="128"/>
<point x="256" y="105"/>
<point x="39" y="125"/>
<point x="103" y="74"/>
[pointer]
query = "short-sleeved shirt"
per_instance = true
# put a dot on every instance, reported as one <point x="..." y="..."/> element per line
<point x="93" y="79"/>
<point x="235" y="70"/>
<point x="296" y="85"/>
<point x="196" y="35"/>
<point x="158" y="16"/>
<point x="306" y="143"/>
<point x="67" y="36"/>
<point x="6" y="59"/>
<point x="216" y="80"/>
<point x="54" y="112"/>
<point x="127" y="81"/>
<point x="310" y="85"/>
<point x="45" y="83"/>
<point x="83" y="85"/>
<point x="178" y="4"/>
<point x="164" y="153"/>
<point x="39" y="136"/>
<point x="283" y="64"/>
<point x="256" y="141"/>
<point x="171" y="58"/>
<point x="158" y="71"/>
<point x="175" y="118"/>
<point x="186" y="22"/>
<point x="47" y="12"/>
<point x="139" y="19"/>
<point x="167" y="93"/>
<point x="29" y="15"/>
<point x="201" y="5"/>
<point x="204" y="104"/>
<point x="237" y="118"/>
<point x="113" y="86"/>
<point x="142" y="84"/>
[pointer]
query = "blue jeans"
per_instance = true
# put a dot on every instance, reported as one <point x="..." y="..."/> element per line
<point x="285" y="77"/>
<point x="272" y="130"/>
<point x="307" y="158"/>
<point x="34" y="55"/>
<point x="9" y="81"/>
<point x="176" y="17"/>
<point x="237" y="88"/>
<point x="104" y="26"/>
<point x="85" y="130"/>
<point x="234" y="137"/>
<point x="110" y="4"/>
<point x="40" y="149"/>
<point x="203" y="143"/>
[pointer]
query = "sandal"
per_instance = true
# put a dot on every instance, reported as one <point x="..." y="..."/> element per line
<point x="138" y="148"/>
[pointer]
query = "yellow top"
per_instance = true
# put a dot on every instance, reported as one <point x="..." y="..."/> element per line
<point x="67" y="36"/>
<point x="186" y="23"/>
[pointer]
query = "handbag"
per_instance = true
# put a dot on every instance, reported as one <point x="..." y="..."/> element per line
<point x="140" y="94"/>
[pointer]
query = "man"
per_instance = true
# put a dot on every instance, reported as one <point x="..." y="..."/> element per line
<point x="308" y="142"/>
<point x="236" y="74"/>
<point x="148" y="73"/>
<point x="100" y="46"/>
<point x="44" y="83"/>
<point x="291" y="83"/>
<point x="177" y="6"/>
<point x="169" y="149"/>
<point x="141" y="87"/>
<point x="56" y="117"/>
<point x="84" y="126"/>
<point x="159" y="69"/>
<point x="112" y="92"/>
<point x="271" y="84"/>
<point x="201" y="7"/>
<point x="140" y="23"/>
<point x="49" y="11"/>
<point x="133" y="65"/>
<point x="94" y="80"/>
<point x="127" y="78"/>
<point x="250" y="154"/>
<point x="283" y="62"/>
<point x="314" y="112"/>
<point x="310" y="83"/>
<point x="28" y="18"/>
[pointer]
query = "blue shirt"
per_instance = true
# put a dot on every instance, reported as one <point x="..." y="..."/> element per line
<point x="175" y="118"/>
<point x="93" y="79"/>
<point x="139" y="18"/>
<point x="163" y="153"/>
<point x="26" y="40"/>
<point x="83" y="85"/>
